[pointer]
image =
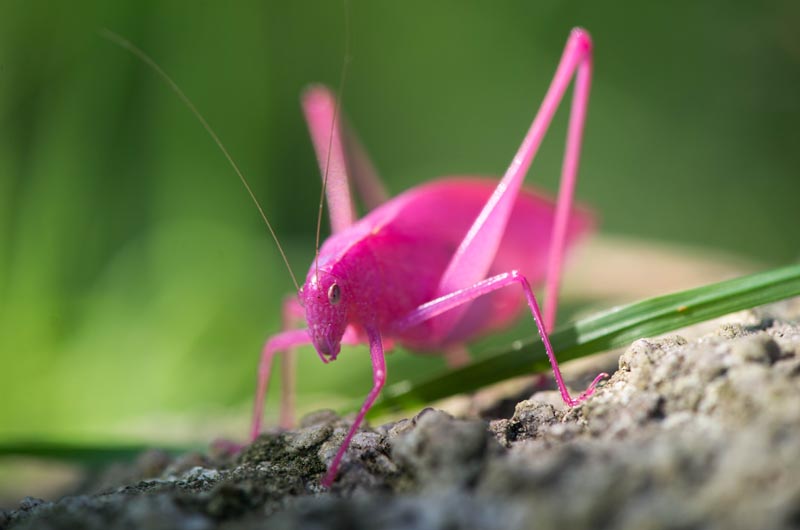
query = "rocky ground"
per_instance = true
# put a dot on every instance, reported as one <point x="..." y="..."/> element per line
<point x="686" y="434"/>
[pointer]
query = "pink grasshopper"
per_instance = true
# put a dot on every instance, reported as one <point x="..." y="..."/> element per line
<point x="427" y="268"/>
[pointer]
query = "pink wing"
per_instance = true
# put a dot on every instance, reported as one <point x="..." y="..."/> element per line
<point x="428" y="223"/>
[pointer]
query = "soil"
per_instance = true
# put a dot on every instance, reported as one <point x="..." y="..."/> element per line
<point x="701" y="433"/>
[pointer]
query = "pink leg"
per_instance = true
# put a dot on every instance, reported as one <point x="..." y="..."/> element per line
<point x="282" y="342"/>
<point x="277" y="343"/>
<point x="288" y="378"/>
<point x="349" y="159"/>
<point x="463" y="296"/>
<point x="476" y="253"/>
<point x="293" y="314"/>
<point x="319" y="106"/>
<point x="365" y="177"/>
<point x="569" y="176"/>
<point x="378" y="380"/>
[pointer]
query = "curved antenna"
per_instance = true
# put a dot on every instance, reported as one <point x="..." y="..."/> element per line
<point x="339" y="94"/>
<point x="127" y="45"/>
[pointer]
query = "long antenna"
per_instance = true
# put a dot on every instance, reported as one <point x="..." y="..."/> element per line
<point x="127" y="45"/>
<point x="339" y="96"/>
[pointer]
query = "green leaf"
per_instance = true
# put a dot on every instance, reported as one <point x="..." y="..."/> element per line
<point x="604" y="331"/>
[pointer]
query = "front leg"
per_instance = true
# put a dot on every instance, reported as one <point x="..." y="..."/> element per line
<point x="293" y="316"/>
<point x="460" y="297"/>
<point x="283" y="342"/>
<point x="378" y="380"/>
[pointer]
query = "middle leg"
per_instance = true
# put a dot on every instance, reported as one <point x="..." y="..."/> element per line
<point x="461" y="297"/>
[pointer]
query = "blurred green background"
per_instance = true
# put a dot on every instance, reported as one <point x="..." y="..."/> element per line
<point x="137" y="282"/>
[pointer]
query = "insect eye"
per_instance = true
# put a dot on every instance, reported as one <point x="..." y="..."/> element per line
<point x="334" y="294"/>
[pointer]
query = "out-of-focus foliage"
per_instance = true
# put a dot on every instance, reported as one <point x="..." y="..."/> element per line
<point x="136" y="281"/>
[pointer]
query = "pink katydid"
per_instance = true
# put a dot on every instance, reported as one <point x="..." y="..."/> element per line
<point x="426" y="269"/>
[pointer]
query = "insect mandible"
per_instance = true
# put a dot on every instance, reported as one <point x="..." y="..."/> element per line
<point x="426" y="269"/>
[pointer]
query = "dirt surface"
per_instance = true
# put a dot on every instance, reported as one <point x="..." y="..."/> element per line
<point x="686" y="434"/>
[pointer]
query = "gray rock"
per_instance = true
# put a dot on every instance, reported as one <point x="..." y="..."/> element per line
<point x="686" y="434"/>
<point x="442" y="452"/>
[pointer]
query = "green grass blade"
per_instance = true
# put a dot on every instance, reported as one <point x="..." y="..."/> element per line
<point x="607" y="330"/>
<point x="87" y="455"/>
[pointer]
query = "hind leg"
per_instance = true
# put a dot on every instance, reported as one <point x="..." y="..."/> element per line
<point x="341" y="158"/>
<point x="477" y="251"/>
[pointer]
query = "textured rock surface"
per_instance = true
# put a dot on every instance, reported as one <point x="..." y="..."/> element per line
<point x="701" y="433"/>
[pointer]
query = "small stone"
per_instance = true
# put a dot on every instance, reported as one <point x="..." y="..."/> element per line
<point x="552" y="398"/>
<point x="731" y="331"/>
<point x="442" y="451"/>
<point x="366" y="441"/>
<point x="324" y="416"/>
<point x="399" y="428"/>
<point x="309" y="437"/>
<point x="642" y="357"/>
<point x="500" y="430"/>
<point x="185" y="462"/>
<point x="201" y="474"/>
<point x="759" y="348"/>
<point x="530" y="418"/>
<point x="31" y="503"/>
<point x="428" y="410"/>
